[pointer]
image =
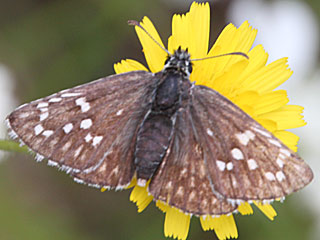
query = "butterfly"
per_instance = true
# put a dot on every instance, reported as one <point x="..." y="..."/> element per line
<point x="197" y="150"/>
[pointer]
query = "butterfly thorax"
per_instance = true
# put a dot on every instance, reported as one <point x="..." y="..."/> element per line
<point x="155" y="132"/>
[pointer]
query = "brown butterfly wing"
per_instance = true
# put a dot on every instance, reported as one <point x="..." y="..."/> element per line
<point x="244" y="160"/>
<point x="182" y="179"/>
<point x="88" y="130"/>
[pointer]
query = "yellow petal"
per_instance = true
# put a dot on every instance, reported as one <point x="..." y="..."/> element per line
<point x="268" y="77"/>
<point x="245" y="209"/>
<point x="162" y="206"/>
<point x="224" y="226"/>
<point x="176" y="224"/>
<point x="141" y="197"/>
<point x="206" y="222"/>
<point x="191" y="30"/>
<point x="231" y="39"/>
<point x="179" y="33"/>
<point x="257" y="59"/>
<point x="249" y="97"/>
<point x="155" y="56"/>
<point x="246" y="101"/>
<point x="286" y="117"/>
<point x="288" y="138"/>
<point x="128" y="65"/>
<point x="267" y="210"/>
<point x="132" y="183"/>
<point x="227" y="82"/>
<point x="270" y="101"/>
<point x="270" y="125"/>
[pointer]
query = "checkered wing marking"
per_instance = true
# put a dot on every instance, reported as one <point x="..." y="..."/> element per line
<point x="244" y="160"/>
<point x="88" y="130"/>
<point x="182" y="178"/>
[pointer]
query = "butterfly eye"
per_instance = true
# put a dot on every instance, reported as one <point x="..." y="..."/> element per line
<point x="190" y="68"/>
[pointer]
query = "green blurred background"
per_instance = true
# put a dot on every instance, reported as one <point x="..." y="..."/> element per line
<point x="49" y="45"/>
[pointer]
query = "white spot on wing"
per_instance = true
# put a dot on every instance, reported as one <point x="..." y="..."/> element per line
<point x="252" y="164"/>
<point x="242" y="138"/>
<point x="66" y="146"/>
<point x="24" y="115"/>
<point x="280" y="176"/>
<point x="180" y="191"/>
<point x="270" y="176"/>
<point x="250" y="134"/>
<point x="47" y="133"/>
<point x="85" y="106"/>
<point x="42" y="105"/>
<point x="43" y="116"/>
<point x="85" y="124"/>
<point x="280" y="162"/>
<point x="285" y="152"/>
<point x="210" y="133"/>
<point x="275" y="142"/>
<point x="67" y="128"/>
<point x="77" y="152"/>
<point x="88" y="137"/>
<point x="38" y="129"/>
<point x="80" y="101"/>
<point x="96" y="140"/>
<point x="70" y="94"/>
<point x="44" y="109"/>
<point x="229" y="166"/>
<point x="237" y="154"/>
<point x="221" y="165"/>
<point x="262" y="132"/>
<point x="55" y="99"/>
<point x="119" y="112"/>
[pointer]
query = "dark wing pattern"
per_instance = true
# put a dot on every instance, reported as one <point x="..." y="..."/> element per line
<point x="244" y="160"/>
<point x="182" y="178"/>
<point x="88" y="130"/>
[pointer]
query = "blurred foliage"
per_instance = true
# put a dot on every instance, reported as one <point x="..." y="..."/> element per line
<point x="51" y="45"/>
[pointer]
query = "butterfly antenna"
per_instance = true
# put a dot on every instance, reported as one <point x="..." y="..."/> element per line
<point x="222" y="55"/>
<point x="136" y="23"/>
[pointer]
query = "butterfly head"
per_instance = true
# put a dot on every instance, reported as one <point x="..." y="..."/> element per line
<point x="179" y="61"/>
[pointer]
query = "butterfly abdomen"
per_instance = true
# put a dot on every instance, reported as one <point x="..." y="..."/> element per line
<point x="152" y="143"/>
<point x="155" y="133"/>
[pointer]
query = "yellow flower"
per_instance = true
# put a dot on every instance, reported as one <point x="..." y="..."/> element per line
<point x="249" y="84"/>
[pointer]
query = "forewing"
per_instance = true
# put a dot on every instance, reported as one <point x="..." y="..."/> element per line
<point x="88" y="130"/>
<point x="182" y="178"/>
<point x="244" y="160"/>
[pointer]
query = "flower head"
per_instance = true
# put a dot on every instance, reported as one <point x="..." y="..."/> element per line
<point x="250" y="84"/>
